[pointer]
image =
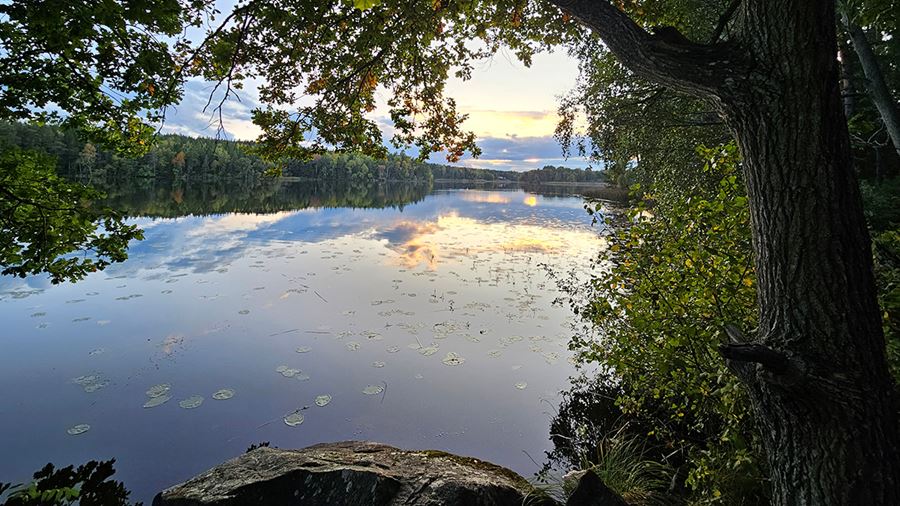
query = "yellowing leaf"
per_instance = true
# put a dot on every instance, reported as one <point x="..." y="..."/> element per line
<point x="365" y="5"/>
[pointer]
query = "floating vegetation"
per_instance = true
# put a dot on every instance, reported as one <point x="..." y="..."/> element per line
<point x="378" y="364"/>
<point x="286" y="371"/>
<point x="392" y="349"/>
<point x="419" y="376"/>
<point x="521" y="385"/>
<point x="397" y="312"/>
<point x="322" y="400"/>
<point x="158" y="400"/>
<point x="507" y="340"/>
<point x="82" y="319"/>
<point x="373" y="390"/>
<point x="412" y="328"/>
<point x="494" y="353"/>
<point x="352" y="346"/>
<point x="444" y="329"/>
<point x="38" y="314"/>
<point x="74" y="301"/>
<point x="81" y="428"/>
<point x="474" y="339"/>
<point x="103" y="322"/>
<point x="453" y="359"/>
<point x="158" y="390"/>
<point x="191" y="402"/>
<point x="303" y="349"/>
<point x="97" y="351"/>
<point x="91" y="382"/>
<point x="428" y="351"/>
<point x="289" y="291"/>
<point x="294" y="419"/>
<point x="223" y="394"/>
<point x="244" y="312"/>
<point x="380" y="302"/>
<point x="301" y="376"/>
<point x="129" y="297"/>
<point x="371" y="335"/>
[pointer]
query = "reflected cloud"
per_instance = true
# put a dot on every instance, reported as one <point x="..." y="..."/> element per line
<point x="233" y="223"/>
<point x="485" y="197"/>
<point x="452" y="235"/>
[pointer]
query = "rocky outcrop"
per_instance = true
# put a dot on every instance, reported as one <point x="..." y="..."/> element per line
<point x="353" y="473"/>
<point x="591" y="491"/>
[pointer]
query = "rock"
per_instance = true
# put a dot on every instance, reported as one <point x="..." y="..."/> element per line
<point x="353" y="473"/>
<point x="591" y="491"/>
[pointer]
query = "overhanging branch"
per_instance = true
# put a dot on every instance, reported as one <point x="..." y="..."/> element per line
<point x="664" y="57"/>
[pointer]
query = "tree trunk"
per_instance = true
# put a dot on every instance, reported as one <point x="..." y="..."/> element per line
<point x="878" y="90"/>
<point x="828" y="416"/>
<point x="847" y="91"/>
<point x="817" y="374"/>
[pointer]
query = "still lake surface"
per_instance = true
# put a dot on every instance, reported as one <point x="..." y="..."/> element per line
<point x="426" y="323"/>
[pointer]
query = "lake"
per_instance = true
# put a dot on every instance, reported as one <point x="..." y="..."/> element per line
<point x="419" y="318"/>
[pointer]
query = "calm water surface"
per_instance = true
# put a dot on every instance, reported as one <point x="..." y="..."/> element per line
<point x="441" y="310"/>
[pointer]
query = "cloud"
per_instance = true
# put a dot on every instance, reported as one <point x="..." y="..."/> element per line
<point x="494" y="123"/>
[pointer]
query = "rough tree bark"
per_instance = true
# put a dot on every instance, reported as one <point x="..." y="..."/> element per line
<point x="817" y="375"/>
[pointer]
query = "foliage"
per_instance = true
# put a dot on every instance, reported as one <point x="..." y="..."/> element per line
<point x="103" y="68"/>
<point x="45" y="219"/>
<point x="408" y="49"/>
<point x="668" y="284"/>
<point x="358" y="168"/>
<point x="882" y="203"/>
<point x="170" y="199"/>
<point x="589" y="431"/>
<point x="624" y="465"/>
<point x="641" y="132"/>
<point x="549" y="173"/>
<point x="181" y="158"/>
<point x="88" y="485"/>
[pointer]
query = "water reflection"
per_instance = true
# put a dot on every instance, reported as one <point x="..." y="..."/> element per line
<point x="439" y="302"/>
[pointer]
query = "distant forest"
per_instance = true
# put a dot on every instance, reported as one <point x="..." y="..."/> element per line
<point x="182" y="158"/>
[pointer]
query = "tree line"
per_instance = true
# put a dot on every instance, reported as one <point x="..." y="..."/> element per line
<point x="183" y="158"/>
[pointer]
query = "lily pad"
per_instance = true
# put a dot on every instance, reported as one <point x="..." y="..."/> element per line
<point x="294" y="419"/>
<point x="352" y="346"/>
<point x="453" y="359"/>
<point x="373" y="390"/>
<point x="392" y="349"/>
<point x="304" y="349"/>
<point x="244" y="311"/>
<point x="91" y="382"/>
<point x="157" y="401"/>
<point x="191" y="402"/>
<point x="521" y="385"/>
<point x="158" y="390"/>
<point x="379" y="364"/>
<point x="323" y="400"/>
<point x="223" y="394"/>
<point x="290" y="373"/>
<point x="81" y="428"/>
<point x="281" y="368"/>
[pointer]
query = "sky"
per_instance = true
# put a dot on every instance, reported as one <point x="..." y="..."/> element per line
<point x="511" y="108"/>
